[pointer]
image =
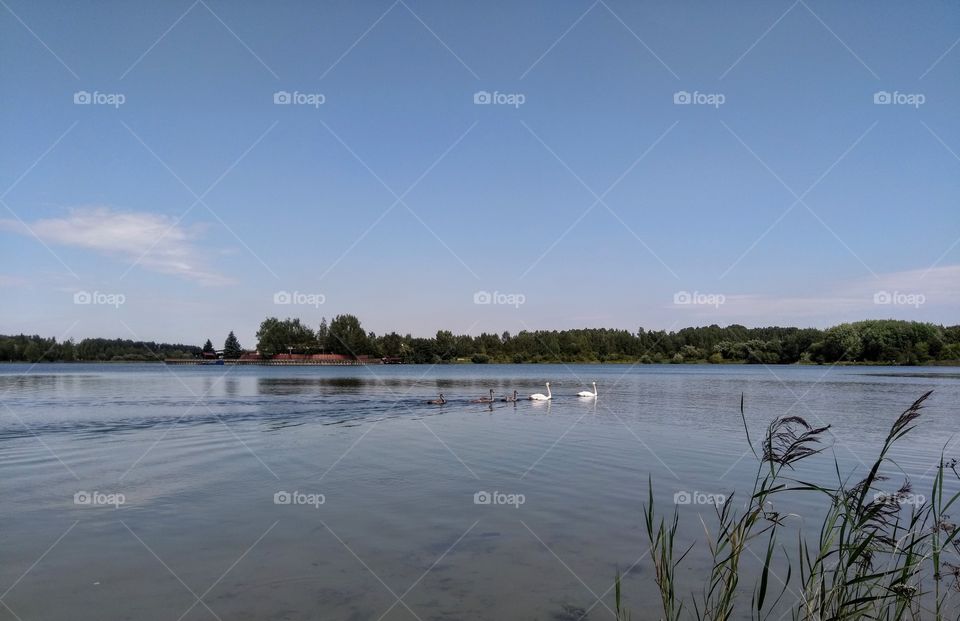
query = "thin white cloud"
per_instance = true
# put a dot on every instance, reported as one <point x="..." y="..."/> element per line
<point x="11" y="281"/>
<point x="155" y="242"/>
<point x="903" y="295"/>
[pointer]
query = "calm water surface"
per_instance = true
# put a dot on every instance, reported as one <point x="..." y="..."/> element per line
<point x="199" y="454"/>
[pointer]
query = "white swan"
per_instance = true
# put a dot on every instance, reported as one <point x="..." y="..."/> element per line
<point x="587" y="393"/>
<point x="539" y="396"/>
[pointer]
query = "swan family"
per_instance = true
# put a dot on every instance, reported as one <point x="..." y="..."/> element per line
<point x="537" y="396"/>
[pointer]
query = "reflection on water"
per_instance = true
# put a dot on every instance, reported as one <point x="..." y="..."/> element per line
<point x="941" y="375"/>
<point x="298" y="385"/>
<point x="200" y="453"/>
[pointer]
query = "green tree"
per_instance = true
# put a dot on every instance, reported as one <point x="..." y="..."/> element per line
<point x="208" y="347"/>
<point x="445" y="344"/>
<point x="68" y="351"/>
<point x="277" y="336"/>
<point x="347" y="336"/>
<point x="950" y="352"/>
<point x="323" y="336"/>
<point x="392" y="345"/>
<point x="32" y="352"/>
<point x="842" y="343"/>
<point x="231" y="347"/>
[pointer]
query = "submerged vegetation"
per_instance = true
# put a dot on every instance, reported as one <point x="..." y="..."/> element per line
<point x="878" y="554"/>
<point x="874" y="342"/>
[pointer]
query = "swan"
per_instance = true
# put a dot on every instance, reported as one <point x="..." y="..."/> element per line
<point x="510" y="399"/>
<point x="484" y="399"/>
<point x="587" y="393"/>
<point x="539" y="396"/>
<point x="439" y="401"/>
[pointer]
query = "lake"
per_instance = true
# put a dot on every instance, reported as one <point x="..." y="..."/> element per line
<point x="150" y="492"/>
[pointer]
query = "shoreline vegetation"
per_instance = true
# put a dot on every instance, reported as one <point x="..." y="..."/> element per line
<point x="870" y="342"/>
<point x="880" y="552"/>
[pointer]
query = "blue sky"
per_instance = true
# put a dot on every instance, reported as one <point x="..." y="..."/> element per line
<point x="783" y="195"/>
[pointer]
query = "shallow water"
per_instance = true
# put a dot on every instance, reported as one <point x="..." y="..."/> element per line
<point x="199" y="453"/>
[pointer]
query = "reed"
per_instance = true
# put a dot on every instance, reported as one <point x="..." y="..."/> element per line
<point x="875" y="556"/>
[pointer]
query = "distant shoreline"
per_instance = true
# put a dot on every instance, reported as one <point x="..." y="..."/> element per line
<point x="344" y="341"/>
<point x="200" y="363"/>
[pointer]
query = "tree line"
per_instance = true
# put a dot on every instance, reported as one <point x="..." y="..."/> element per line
<point x="873" y="341"/>
<point x="34" y="348"/>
